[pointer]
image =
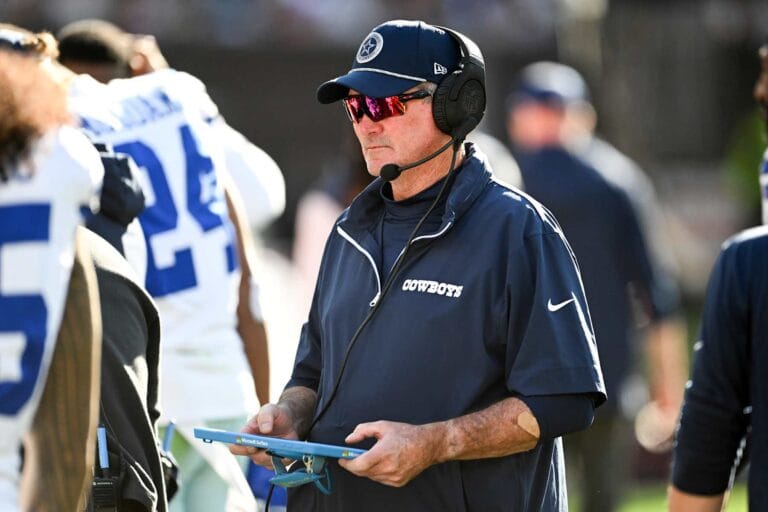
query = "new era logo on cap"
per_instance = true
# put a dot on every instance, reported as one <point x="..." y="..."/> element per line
<point x="439" y="69"/>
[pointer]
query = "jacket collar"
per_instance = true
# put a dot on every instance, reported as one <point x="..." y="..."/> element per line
<point x="365" y="211"/>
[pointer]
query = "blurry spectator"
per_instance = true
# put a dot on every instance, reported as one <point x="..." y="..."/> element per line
<point x="619" y="272"/>
<point x="580" y="137"/>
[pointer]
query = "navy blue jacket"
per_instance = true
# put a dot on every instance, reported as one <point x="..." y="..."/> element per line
<point x="727" y="376"/>
<point x="488" y="306"/>
<point x="601" y="225"/>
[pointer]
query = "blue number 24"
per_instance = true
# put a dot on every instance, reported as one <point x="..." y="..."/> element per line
<point x="208" y="210"/>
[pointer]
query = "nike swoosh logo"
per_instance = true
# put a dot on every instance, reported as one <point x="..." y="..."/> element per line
<point x="556" y="307"/>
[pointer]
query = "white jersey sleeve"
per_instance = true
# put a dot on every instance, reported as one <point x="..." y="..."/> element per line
<point x="40" y="208"/>
<point x="256" y="175"/>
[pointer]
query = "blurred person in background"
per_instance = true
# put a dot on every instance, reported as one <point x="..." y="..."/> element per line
<point x="49" y="314"/>
<point x="558" y="159"/>
<point x="104" y="51"/>
<point x="726" y="400"/>
<point x="666" y="336"/>
<point x="214" y="353"/>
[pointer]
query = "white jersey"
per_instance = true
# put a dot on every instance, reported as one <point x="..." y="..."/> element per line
<point x="163" y="120"/>
<point x="39" y="212"/>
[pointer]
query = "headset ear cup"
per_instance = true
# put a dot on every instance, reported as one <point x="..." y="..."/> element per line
<point x="458" y="104"/>
<point x="469" y="104"/>
<point x="440" y="102"/>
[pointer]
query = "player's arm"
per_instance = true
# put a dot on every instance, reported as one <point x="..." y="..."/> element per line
<point x="60" y="447"/>
<point x="255" y="174"/>
<point x="667" y="361"/>
<point x="667" y="366"/>
<point x="680" y="501"/>
<point x="250" y="325"/>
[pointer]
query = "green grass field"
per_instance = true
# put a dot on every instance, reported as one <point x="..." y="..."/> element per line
<point x="652" y="498"/>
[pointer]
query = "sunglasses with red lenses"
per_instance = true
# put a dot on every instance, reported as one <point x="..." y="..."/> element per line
<point x="379" y="108"/>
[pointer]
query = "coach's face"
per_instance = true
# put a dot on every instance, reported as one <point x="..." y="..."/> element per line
<point x="761" y="87"/>
<point x="399" y="139"/>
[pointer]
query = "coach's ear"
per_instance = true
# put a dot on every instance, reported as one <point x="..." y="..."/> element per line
<point x="147" y="56"/>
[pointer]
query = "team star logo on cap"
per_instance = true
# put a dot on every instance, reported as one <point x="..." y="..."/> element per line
<point x="371" y="47"/>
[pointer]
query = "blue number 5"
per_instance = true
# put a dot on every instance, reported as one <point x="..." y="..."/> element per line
<point x="22" y="314"/>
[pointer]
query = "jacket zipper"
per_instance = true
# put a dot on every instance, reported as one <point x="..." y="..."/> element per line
<point x="368" y="256"/>
<point x="433" y="235"/>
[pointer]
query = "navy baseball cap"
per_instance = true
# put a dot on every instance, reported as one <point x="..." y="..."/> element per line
<point x="394" y="57"/>
<point x="551" y="83"/>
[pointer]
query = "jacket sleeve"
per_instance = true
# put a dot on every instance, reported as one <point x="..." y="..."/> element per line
<point x="713" y="422"/>
<point x="551" y="346"/>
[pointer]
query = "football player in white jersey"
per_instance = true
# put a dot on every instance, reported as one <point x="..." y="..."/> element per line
<point x="48" y="172"/>
<point x="214" y="358"/>
<point x="104" y="51"/>
<point x="194" y="260"/>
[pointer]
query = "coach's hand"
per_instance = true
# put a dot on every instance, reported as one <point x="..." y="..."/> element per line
<point x="271" y="420"/>
<point x="401" y="452"/>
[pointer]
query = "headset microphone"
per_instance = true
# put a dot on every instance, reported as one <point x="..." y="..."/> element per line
<point x="391" y="172"/>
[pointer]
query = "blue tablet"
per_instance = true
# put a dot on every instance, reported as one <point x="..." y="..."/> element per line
<point x="274" y="445"/>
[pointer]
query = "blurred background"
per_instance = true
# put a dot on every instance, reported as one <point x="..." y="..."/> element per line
<point x="671" y="81"/>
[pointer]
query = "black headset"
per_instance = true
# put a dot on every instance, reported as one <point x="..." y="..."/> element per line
<point x="458" y="104"/>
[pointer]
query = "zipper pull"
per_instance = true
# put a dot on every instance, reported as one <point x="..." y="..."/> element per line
<point x="375" y="300"/>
